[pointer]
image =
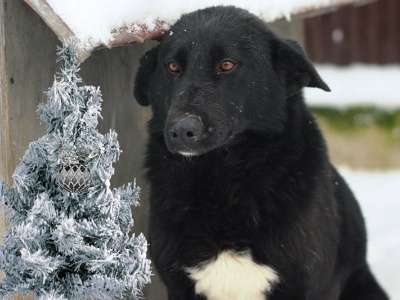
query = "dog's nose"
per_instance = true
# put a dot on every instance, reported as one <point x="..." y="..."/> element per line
<point x="188" y="130"/>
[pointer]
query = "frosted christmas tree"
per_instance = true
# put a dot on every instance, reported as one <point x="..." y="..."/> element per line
<point x="69" y="231"/>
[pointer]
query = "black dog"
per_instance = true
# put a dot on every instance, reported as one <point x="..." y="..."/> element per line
<point x="245" y="204"/>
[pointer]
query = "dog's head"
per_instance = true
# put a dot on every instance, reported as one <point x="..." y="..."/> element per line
<point x="217" y="73"/>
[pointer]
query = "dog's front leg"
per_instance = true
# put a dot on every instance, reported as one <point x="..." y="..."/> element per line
<point x="179" y="286"/>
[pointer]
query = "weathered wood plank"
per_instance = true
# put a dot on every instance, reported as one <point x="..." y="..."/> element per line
<point x="5" y="140"/>
<point x="4" y="103"/>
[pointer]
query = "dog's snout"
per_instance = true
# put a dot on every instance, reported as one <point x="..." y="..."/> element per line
<point x="187" y="131"/>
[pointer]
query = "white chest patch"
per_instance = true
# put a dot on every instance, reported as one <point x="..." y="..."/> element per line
<point x="233" y="276"/>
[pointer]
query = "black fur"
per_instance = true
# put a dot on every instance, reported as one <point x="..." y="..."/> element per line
<point x="261" y="180"/>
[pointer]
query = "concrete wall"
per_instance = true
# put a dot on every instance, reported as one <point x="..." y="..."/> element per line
<point x="27" y="66"/>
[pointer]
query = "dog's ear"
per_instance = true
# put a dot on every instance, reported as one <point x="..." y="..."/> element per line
<point x="147" y="66"/>
<point x="293" y="67"/>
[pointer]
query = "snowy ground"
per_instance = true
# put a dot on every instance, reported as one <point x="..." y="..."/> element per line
<point x="357" y="84"/>
<point x="379" y="196"/>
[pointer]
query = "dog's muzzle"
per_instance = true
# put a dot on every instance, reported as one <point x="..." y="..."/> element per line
<point x="185" y="134"/>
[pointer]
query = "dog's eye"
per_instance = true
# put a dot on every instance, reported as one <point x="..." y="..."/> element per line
<point x="174" y="67"/>
<point x="226" y="66"/>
